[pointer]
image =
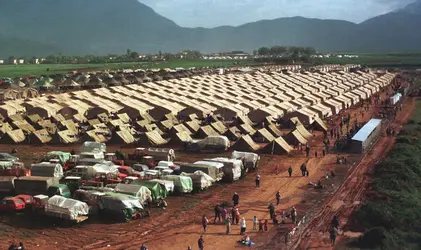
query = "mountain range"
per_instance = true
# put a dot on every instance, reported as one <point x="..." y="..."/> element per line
<point x="76" y="27"/>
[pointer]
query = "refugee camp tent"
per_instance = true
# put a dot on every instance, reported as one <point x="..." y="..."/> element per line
<point x="13" y="137"/>
<point x="193" y="126"/>
<point x="123" y="136"/>
<point x="40" y="137"/>
<point x="182" y="184"/>
<point x="65" y="208"/>
<point x="247" y="129"/>
<point x="244" y="120"/>
<point x="295" y="137"/>
<point x="303" y="131"/>
<point x="263" y="136"/>
<point x="141" y="192"/>
<point x="274" y="130"/>
<point x="219" y="127"/>
<point x="279" y="147"/>
<point x="157" y="190"/>
<point x="206" y="131"/>
<point x="47" y="169"/>
<point x="246" y="143"/>
<point x="152" y="138"/>
<point x="233" y="134"/>
<point x="319" y="124"/>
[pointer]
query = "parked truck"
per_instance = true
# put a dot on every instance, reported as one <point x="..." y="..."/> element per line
<point x="34" y="185"/>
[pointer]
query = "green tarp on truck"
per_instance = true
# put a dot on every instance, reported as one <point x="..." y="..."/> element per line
<point x="158" y="190"/>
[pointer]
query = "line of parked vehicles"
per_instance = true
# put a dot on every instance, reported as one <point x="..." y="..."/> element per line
<point x="74" y="186"/>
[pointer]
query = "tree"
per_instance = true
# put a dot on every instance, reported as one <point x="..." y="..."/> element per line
<point x="134" y="55"/>
<point x="263" y="51"/>
<point x="128" y="51"/>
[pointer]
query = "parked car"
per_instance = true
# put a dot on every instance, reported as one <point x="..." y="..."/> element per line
<point x="8" y="157"/>
<point x="27" y="199"/>
<point x="128" y="171"/>
<point x="12" y="204"/>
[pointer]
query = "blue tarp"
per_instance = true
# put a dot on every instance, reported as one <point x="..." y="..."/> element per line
<point x="366" y="130"/>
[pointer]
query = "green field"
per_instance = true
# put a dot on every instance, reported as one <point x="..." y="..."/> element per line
<point x="407" y="59"/>
<point x="391" y="217"/>
<point x="41" y="69"/>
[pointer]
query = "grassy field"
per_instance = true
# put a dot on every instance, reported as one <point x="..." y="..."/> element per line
<point x="378" y="60"/>
<point x="41" y="69"/>
<point x="392" y="218"/>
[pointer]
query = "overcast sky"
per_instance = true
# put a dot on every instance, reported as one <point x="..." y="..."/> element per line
<point x="212" y="13"/>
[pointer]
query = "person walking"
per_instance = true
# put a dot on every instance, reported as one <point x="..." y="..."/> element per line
<point x="144" y="247"/>
<point x="278" y="197"/>
<point x="257" y="180"/>
<point x="228" y="222"/>
<point x="237" y="216"/>
<point x="201" y="243"/>
<point x="217" y="214"/>
<point x="335" y="222"/>
<point x="233" y="212"/>
<point x="204" y="223"/>
<point x="255" y="223"/>
<point x="242" y="226"/>
<point x="290" y="171"/>
<point x="235" y="199"/>
<point x="271" y="208"/>
<point x="294" y="215"/>
<point x="333" y="234"/>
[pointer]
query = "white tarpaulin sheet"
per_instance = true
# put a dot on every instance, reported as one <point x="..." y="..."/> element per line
<point x="169" y="185"/>
<point x="91" y="146"/>
<point x="138" y="191"/>
<point x="200" y="179"/>
<point x="65" y="208"/>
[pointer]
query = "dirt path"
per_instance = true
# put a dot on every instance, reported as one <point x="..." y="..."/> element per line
<point x="350" y="194"/>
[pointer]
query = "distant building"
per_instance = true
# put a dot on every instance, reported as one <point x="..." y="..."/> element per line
<point x="14" y="61"/>
<point x="1" y="61"/>
<point x="21" y="61"/>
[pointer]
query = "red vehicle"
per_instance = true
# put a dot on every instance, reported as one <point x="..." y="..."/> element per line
<point x="27" y="199"/>
<point x="128" y="171"/>
<point x="12" y="204"/>
<point x="107" y="178"/>
<point x="17" y="169"/>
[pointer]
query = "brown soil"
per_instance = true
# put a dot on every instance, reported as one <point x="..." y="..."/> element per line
<point x="179" y="225"/>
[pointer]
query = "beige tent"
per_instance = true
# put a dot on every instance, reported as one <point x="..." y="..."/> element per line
<point x="246" y="144"/>
<point x="123" y="136"/>
<point x="40" y="137"/>
<point x="303" y="131"/>
<point x="318" y="124"/>
<point x="263" y="136"/>
<point x="206" y="131"/>
<point x="219" y="127"/>
<point x="152" y="138"/>
<point x="96" y="136"/>
<point x="66" y="137"/>
<point x="247" y="129"/>
<point x="278" y="146"/>
<point x="193" y="126"/>
<point x="13" y="137"/>
<point x="180" y="138"/>
<point x="295" y="137"/>
<point x="233" y="134"/>
<point x="274" y="130"/>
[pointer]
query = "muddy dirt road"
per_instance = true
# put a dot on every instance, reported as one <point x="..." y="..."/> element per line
<point x="350" y="195"/>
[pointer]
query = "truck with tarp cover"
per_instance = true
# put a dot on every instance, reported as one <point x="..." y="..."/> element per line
<point x="201" y="180"/>
<point x="34" y="185"/>
<point x="233" y="168"/>
<point x="182" y="184"/>
<point x="250" y="160"/>
<point x="210" y="170"/>
<point x="7" y="185"/>
<point x="61" y="156"/>
<point x="158" y="191"/>
<point x="91" y="146"/>
<point x="68" y="209"/>
<point x="47" y="169"/>
<point x="211" y="142"/>
<point x="138" y="191"/>
<point x="10" y="168"/>
<point x="122" y="206"/>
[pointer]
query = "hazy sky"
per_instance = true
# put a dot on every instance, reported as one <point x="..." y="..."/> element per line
<point x="211" y="13"/>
